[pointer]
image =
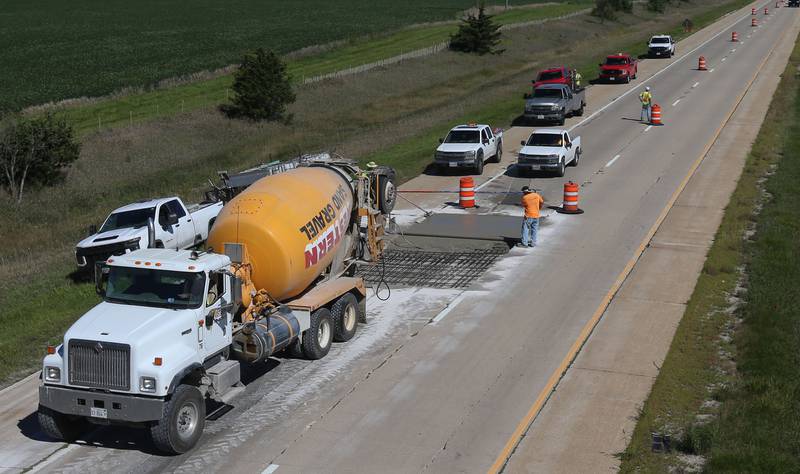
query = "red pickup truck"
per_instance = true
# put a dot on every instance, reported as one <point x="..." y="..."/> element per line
<point x="619" y="67"/>
<point x="553" y="75"/>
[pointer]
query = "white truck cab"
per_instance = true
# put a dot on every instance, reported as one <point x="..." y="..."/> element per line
<point x="469" y="145"/>
<point x="549" y="149"/>
<point x="161" y="223"/>
<point x="661" y="46"/>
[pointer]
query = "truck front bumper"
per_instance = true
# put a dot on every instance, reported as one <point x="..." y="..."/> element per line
<point x="538" y="166"/>
<point x="455" y="163"/>
<point x="550" y="117"/>
<point x="101" y="406"/>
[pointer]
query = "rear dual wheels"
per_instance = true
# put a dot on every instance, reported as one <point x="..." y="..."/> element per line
<point x="327" y="325"/>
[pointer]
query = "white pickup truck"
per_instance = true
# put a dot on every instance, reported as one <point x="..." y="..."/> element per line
<point x="156" y="223"/>
<point x="470" y="146"/>
<point x="661" y="46"/>
<point x="549" y="149"/>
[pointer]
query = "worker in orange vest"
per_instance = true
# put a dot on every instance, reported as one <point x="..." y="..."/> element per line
<point x="532" y="202"/>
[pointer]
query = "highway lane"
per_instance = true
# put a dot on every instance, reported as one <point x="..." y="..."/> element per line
<point x="446" y="396"/>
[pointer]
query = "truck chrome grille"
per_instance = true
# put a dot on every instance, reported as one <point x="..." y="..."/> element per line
<point x="99" y="364"/>
<point x="541" y="109"/>
<point x="537" y="159"/>
<point x="451" y="155"/>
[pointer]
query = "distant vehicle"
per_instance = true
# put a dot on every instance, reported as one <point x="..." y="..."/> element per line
<point x="554" y="75"/>
<point x="549" y="149"/>
<point x="470" y="146"/>
<point x="155" y="223"/>
<point x="661" y="46"/>
<point x="554" y="103"/>
<point x="794" y="3"/>
<point x="620" y="67"/>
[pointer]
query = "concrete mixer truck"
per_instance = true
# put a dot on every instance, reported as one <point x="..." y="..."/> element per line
<point x="174" y="327"/>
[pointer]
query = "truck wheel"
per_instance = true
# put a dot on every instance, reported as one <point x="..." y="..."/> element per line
<point x="387" y="194"/>
<point x="499" y="155"/>
<point x="579" y="112"/>
<point x="479" y="163"/>
<point x="345" y="317"/>
<point x="317" y="339"/>
<point x="562" y="120"/>
<point x="562" y="168"/>
<point x="60" y="426"/>
<point x="182" y="421"/>
<point x="577" y="158"/>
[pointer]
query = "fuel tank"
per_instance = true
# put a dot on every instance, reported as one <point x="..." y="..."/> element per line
<point x="292" y="225"/>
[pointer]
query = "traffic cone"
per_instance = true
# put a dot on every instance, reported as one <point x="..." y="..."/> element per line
<point x="466" y="192"/>
<point x="701" y="64"/>
<point x="753" y="22"/>
<point x="734" y="37"/>
<point x="655" y="115"/>
<point x="753" y="11"/>
<point x="570" y="205"/>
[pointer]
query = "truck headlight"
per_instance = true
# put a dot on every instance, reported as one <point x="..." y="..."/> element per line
<point x="147" y="384"/>
<point x="553" y="158"/>
<point x="555" y="107"/>
<point x="52" y="374"/>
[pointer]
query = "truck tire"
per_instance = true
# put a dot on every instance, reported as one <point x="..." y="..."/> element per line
<point x="182" y="421"/>
<point x="479" y="163"/>
<point x="579" y="112"/>
<point x="499" y="155"/>
<point x="387" y="194"/>
<point x="562" y="168"/>
<point x="562" y="119"/>
<point x="345" y="313"/>
<point x="577" y="158"/>
<point x="60" y="426"/>
<point x="317" y="339"/>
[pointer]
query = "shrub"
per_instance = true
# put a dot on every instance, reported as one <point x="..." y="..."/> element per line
<point x="477" y="34"/>
<point x="35" y="152"/>
<point x="262" y="88"/>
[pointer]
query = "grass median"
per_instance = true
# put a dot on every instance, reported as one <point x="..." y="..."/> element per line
<point x="727" y="391"/>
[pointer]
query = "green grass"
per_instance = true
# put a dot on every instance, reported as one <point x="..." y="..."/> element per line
<point x="141" y="106"/>
<point x="758" y="421"/>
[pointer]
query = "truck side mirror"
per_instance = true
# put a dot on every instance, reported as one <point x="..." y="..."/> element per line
<point x="441" y="140"/>
<point x="92" y="229"/>
<point x="522" y="143"/>
<point x="172" y="218"/>
<point x="100" y="278"/>
<point x="600" y="64"/>
<point x="569" y="145"/>
<point x="486" y="142"/>
<point x="526" y="96"/>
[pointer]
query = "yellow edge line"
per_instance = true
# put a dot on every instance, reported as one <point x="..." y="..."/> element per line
<point x="523" y="426"/>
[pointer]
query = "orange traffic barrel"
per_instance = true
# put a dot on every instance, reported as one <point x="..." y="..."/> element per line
<point x="766" y="11"/>
<point x="734" y="36"/>
<point x="754" y="22"/>
<point x="466" y="192"/>
<point x="701" y="64"/>
<point x="753" y="11"/>
<point x="655" y="115"/>
<point x="570" y="205"/>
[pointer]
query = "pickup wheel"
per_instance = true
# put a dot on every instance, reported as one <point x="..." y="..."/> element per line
<point x="479" y="163"/>
<point x="499" y="155"/>
<point x="562" y="120"/>
<point x="577" y="157"/>
<point x="60" y="426"/>
<point x="562" y="168"/>
<point x="317" y="339"/>
<point x="579" y="112"/>
<point x="345" y="317"/>
<point x="182" y="421"/>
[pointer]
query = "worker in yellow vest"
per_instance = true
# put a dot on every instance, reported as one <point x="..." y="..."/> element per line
<point x="646" y="98"/>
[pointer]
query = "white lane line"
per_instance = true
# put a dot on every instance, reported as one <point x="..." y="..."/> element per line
<point x="270" y="469"/>
<point x="612" y="161"/>
<point x="695" y="85"/>
<point x="648" y="128"/>
<point x="502" y="173"/>
<point x="675" y="103"/>
<point x="733" y="50"/>
<point x="711" y="70"/>
<point x="448" y="308"/>
<point x="724" y="59"/>
<point x="681" y="59"/>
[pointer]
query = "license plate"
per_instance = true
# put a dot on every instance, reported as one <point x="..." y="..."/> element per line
<point x="611" y="79"/>
<point x="453" y="164"/>
<point x="98" y="412"/>
<point x="536" y="167"/>
<point x="540" y="117"/>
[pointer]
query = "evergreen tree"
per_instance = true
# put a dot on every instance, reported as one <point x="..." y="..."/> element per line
<point x="262" y="88"/>
<point x="477" y="34"/>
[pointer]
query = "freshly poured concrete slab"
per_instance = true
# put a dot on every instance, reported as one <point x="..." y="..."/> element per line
<point x="468" y="226"/>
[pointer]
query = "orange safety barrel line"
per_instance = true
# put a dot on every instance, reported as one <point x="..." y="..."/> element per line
<point x="753" y="12"/>
<point x="701" y="64"/>
<point x="754" y="22"/>
<point x="734" y="36"/>
<point x="466" y="192"/>
<point x="570" y="196"/>
<point x="766" y="11"/>
<point x="655" y="113"/>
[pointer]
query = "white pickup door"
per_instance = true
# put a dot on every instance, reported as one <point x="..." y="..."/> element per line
<point x="177" y="235"/>
<point x="489" y="141"/>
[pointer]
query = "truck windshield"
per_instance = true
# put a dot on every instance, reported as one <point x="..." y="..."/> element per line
<point x="551" y="93"/>
<point x="549" y="75"/>
<point x="616" y="61"/>
<point x="127" y="219"/>
<point x="659" y="40"/>
<point x="463" y="136"/>
<point x="149" y="287"/>
<point x="545" y="139"/>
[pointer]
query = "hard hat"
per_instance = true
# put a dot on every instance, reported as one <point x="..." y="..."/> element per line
<point x="647" y="88"/>
<point x="372" y="164"/>
<point x="526" y="189"/>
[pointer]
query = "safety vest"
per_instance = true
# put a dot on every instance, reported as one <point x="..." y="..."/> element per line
<point x="646" y="97"/>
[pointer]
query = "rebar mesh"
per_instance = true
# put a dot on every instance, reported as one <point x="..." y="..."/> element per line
<point x="431" y="269"/>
